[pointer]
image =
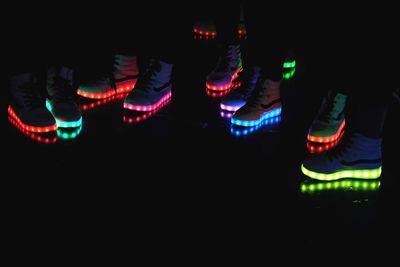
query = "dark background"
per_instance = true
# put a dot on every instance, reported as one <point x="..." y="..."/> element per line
<point x="180" y="175"/>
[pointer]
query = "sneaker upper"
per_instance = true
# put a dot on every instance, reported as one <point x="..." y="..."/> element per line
<point x="61" y="94"/>
<point x="152" y="85"/>
<point x="330" y="116"/>
<point x="237" y="98"/>
<point x="228" y="64"/>
<point x="266" y="97"/>
<point x="125" y="68"/>
<point x="355" y="152"/>
<point x="28" y="103"/>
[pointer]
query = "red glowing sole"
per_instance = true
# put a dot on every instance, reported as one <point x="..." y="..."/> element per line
<point x="225" y="86"/>
<point x="30" y="128"/>
<point x="327" y="139"/>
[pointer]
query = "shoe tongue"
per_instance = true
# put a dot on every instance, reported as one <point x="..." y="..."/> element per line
<point x="21" y="79"/>
<point x="65" y="73"/>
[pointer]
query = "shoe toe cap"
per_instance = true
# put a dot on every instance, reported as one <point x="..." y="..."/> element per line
<point x="67" y="112"/>
<point x="40" y="117"/>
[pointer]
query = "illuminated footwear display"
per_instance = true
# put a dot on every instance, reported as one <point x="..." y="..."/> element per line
<point x="228" y="67"/>
<point x="122" y="80"/>
<point x="61" y="98"/>
<point x="69" y="134"/>
<point x="207" y="30"/>
<point x="40" y="137"/>
<point x="263" y="104"/>
<point x="330" y="121"/>
<point x="102" y="102"/>
<point x="245" y="131"/>
<point x="152" y="90"/>
<point x="356" y="156"/>
<point x="313" y="186"/>
<point x="237" y="98"/>
<point x="27" y="106"/>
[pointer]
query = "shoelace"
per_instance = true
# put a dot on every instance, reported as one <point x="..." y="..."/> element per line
<point x="63" y="92"/>
<point x="224" y="60"/>
<point x="259" y="94"/>
<point x="30" y="97"/>
<point x="249" y="82"/>
<point x="330" y="108"/>
<point x="343" y="147"/>
<point x="146" y="81"/>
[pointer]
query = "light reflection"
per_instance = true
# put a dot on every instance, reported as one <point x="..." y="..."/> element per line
<point x="44" y="138"/>
<point x="132" y="117"/>
<point x="102" y="102"/>
<point x="70" y="133"/>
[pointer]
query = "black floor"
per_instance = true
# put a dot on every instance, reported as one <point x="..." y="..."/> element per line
<point x="182" y="170"/>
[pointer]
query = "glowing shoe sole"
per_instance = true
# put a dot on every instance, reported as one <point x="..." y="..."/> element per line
<point x="357" y="174"/>
<point x="225" y="86"/>
<point x="30" y="128"/>
<point x="265" y="116"/>
<point x="162" y="101"/>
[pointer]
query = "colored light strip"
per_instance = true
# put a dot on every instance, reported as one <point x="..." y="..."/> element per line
<point x="229" y="108"/>
<point x="321" y="147"/>
<point x="327" y="139"/>
<point x="273" y="113"/>
<point x="216" y="94"/>
<point x="288" y="75"/>
<point x="30" y="128"/>
<point x="353" y="185"/>
<point x="226" y="114"/>
<point x="165" y="98"/>
<point x="103" y="101"/>
<point x="69" y="135"/>
<point x="358" y="174"/>
<point x="289" y="64"/>
<point x="31" y="135"/>
<point x="225" y="86"/>
<point x="249" y="130"/>
<point x="138" y="118"/>
<point x="201" y="37"/>
<point x="109" y="93"/>
<point x="63" y="124"/>
<point x="241" y="32"/>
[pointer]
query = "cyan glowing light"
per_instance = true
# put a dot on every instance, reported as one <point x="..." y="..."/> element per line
<point x="68" y="135"/>
<point x="348" y="185"/>
<point x="357" y="174"/>
<point x="270" y="114"/>
<point x="243" y="131"/>
<point x="63" y="124"/>
<point x="289" y="64"/>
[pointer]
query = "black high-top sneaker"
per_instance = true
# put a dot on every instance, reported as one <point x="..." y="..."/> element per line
<point x="153" y="88"/>
<point x="27" y="105"/>
<point x="61" y="98"/>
